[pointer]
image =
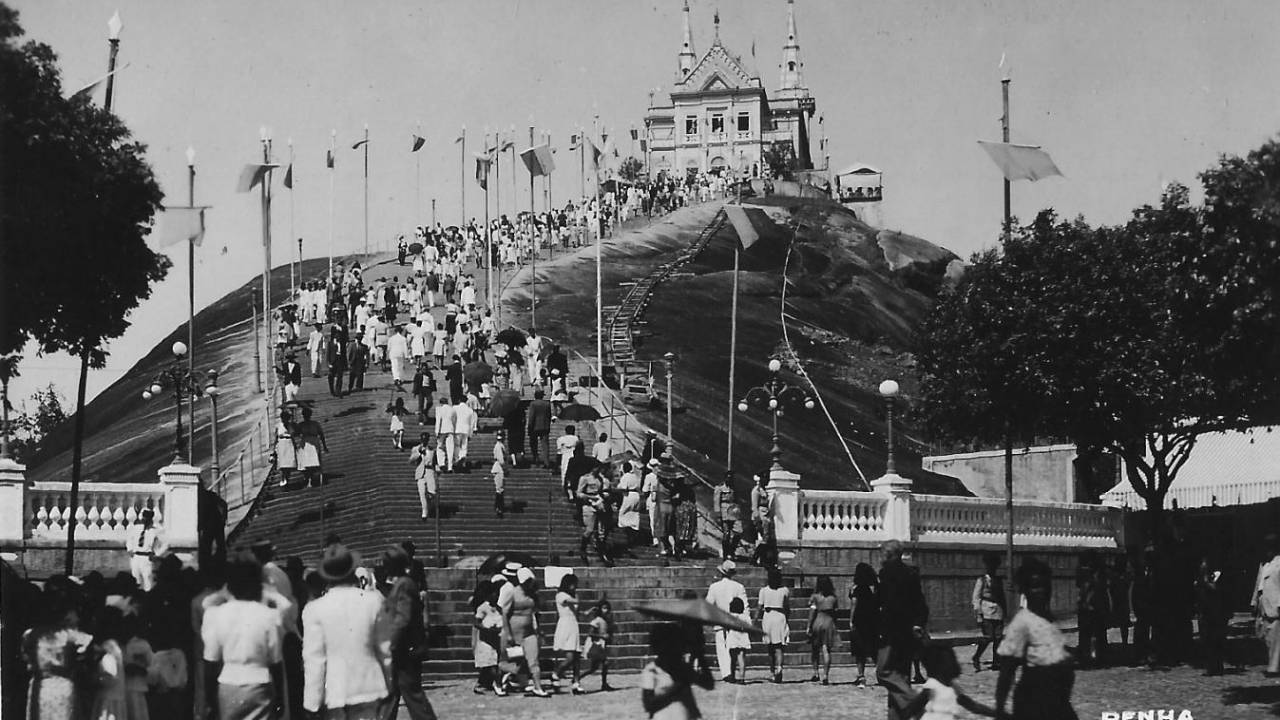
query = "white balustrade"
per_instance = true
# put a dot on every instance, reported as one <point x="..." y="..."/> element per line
<point x="1243" y="492"/>
<point x="841" y="515"/>
<point x="942" y="518"/>
<point x="104" y="512"/>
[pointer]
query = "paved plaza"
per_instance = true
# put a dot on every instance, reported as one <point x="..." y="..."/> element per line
<point x="1243" y="694"/>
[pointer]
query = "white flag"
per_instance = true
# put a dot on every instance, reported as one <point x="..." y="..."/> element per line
<point x="1021" y="162"/>
<point x="179" y="224"/>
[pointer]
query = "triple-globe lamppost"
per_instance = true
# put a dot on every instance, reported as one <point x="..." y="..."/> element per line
<point x="185" y="383"/>
<point x="776" y="396"/>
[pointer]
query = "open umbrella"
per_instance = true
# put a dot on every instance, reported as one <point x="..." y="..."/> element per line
<point x="497" y="561"/>
<point x="503" y="403"/>
<point x="512" y="336"/>
<point x="297" y="404"/>
<point x="415" y="248"/>
<point x="477" y="372"/>
<point x="577" y="412"/>
<point x="698" y="611"/>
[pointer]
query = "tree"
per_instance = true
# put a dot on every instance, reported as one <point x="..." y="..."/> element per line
<point x="631" y="170"/>
<point x="780" y="158"/>
<point x="79" y="195"/>
<point x="31" y="428"/>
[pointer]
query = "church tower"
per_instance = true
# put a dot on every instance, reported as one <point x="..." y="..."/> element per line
<point x="791" y="65"/>
<point x="687" y="58"/>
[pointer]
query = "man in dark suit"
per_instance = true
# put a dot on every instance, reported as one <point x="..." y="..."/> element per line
<point x="453" y="374"/>
<point x="357" y="363"/>
<point x="292" y="373"/>
<point x="540" y="428"/>
<point x="557" y="360"/>
<point x="903" y="615"/>
<point x="337" y="364"/>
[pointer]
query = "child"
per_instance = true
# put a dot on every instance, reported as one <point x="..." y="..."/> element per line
<point x="941" y="697"/>
<point x="109" y="698"/>
<point x="137" y="666"/>
<point x="499" y="476"/>
<point x="487" y="636"/>
<point x="396" y="410"/>
<point x="739" y="643"/>
<point x="595" y="647"/>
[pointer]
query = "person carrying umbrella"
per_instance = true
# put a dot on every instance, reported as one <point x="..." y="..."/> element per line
<point x="666" y="683"/>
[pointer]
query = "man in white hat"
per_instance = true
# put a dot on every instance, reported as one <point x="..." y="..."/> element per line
<point x="721" y="594"/>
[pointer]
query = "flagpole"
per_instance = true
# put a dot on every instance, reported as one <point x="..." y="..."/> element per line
<point x="417" y="172"/>
<point x="488" y="233"/>
<point x="515" y="194"/>
<point x="293" y="280"/>
<point x="331" y="161"/>
<point x="366" y="188"/>
<point x="582" y="164"/>
<point x="1004" y="127"/>
<point x="595" y="181"/>
<point x="733" y="343"/>
<point x="266" y="251"/>
<point x="533" y="232"/>
<point x="191" y="302"/>
<point x="463" y="223"/>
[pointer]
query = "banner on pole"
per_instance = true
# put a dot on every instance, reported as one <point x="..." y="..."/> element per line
<point x="328" y="159"/>
<point x="538" y="159"/>
<point x="356" y="146"/>
<point x="483" y="160"/>
<point x="747" y="235"/>
<point x="177" y="225"/>
<point x="253" y="174"/>
<point x="288" y="177"/>
<point x="1021" y="162"/>
<point x="418" y="142"/>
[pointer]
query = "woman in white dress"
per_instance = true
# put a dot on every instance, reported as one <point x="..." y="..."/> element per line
<point x="286" y="451"/>
<point x="774" y="608"/>
<point x="567" y="639"/>
<point x="629" y="508"/>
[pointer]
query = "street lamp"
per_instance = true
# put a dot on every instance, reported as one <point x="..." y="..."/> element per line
<point x="113" y="38"/>
<point x="889" y="390"/>
<point x="776" y="396"/>
<point x="181" y="381"/>
<point x="670" y="359"/>
<point x="211" y="390"/>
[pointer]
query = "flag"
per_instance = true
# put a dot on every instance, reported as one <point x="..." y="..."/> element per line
<point x="179" y="224"/>
<point x="574" y="139"/>
<point x="1021" y="162"/>
<point x="635" y="134"/>
<point x="418" y="142"/>
<point x="252" y="174"/>
<point x="506" y="146"/>
<point x="483" y="160"/>
<point x="328" y="158"/>
<point x="357" y="145"/>
<point x="288" y="177"/>
<point x="747" y="235"/>
<point x="593" y="157"/>
<point x="93" y="86"/>
<point x="538" y="159"/>
<point x="644" y="146"/>
<point x="460" y="138"/>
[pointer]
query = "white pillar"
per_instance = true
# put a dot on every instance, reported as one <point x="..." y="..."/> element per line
<point x="181" y="484"/>
<point x="784" y="487"/>
<point x="897" y="513"/>
<point x="13" y="502"/>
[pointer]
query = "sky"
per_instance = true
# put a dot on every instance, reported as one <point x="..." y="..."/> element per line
<point x="1125" y="96"/>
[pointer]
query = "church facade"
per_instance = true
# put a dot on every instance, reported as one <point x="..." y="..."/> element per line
<point x="718" y="116"/>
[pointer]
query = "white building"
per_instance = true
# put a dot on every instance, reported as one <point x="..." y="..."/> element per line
<point x="1226" y="468"/>
<point x="719" y="116"/>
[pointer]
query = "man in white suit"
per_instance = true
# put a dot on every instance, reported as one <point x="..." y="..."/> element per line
<point x="465" y="422"/>
<point x="446" y="426"/>
<point x="1266" y="603"/>
<point x="345" y="664"/>
<point x="721" y="594"/>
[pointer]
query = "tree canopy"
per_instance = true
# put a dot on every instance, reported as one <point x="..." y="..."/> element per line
<point x="78" y="201"/>
<point x="1133" y="339"/>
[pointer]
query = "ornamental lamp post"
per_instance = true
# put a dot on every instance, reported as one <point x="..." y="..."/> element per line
<point x="889" y="390"/>
<point x="211" y="390"/>
<point x="181" y="380"/>
<point x="670" y="359"/>
<point x="776" y="396"/>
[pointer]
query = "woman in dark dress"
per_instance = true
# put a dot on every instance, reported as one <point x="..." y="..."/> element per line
<point x="864" y="618"/>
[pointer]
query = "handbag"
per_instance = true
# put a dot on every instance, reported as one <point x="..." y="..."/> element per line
<point x="514" y="652"/>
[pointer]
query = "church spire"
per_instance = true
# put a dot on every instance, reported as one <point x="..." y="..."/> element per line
<point x="791" y="65"/>
<point x="687" y="58"/>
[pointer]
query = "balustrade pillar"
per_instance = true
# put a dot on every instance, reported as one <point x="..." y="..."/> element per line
<point x="897" y="512"/>
<point x="181" y="483"/>
<point x="13" y="501"/>
<point x="784" y="487"/>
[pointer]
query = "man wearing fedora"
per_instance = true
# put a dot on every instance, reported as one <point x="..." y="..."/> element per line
<point x="344" y="662"/>
<point x="292" y="373"/>
<point x="405" y="626"/>
<point x="721" y="594"/>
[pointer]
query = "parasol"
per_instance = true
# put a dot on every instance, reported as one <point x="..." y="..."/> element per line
<point x="512" y="336"/>
<point x="415" y="248"/>
<point x="577" y="412"/>
<point x="497" y="561"/>
<point x="698" y="611"/>
<point x="477" y="372"/>
<point x="503" y="403"/>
